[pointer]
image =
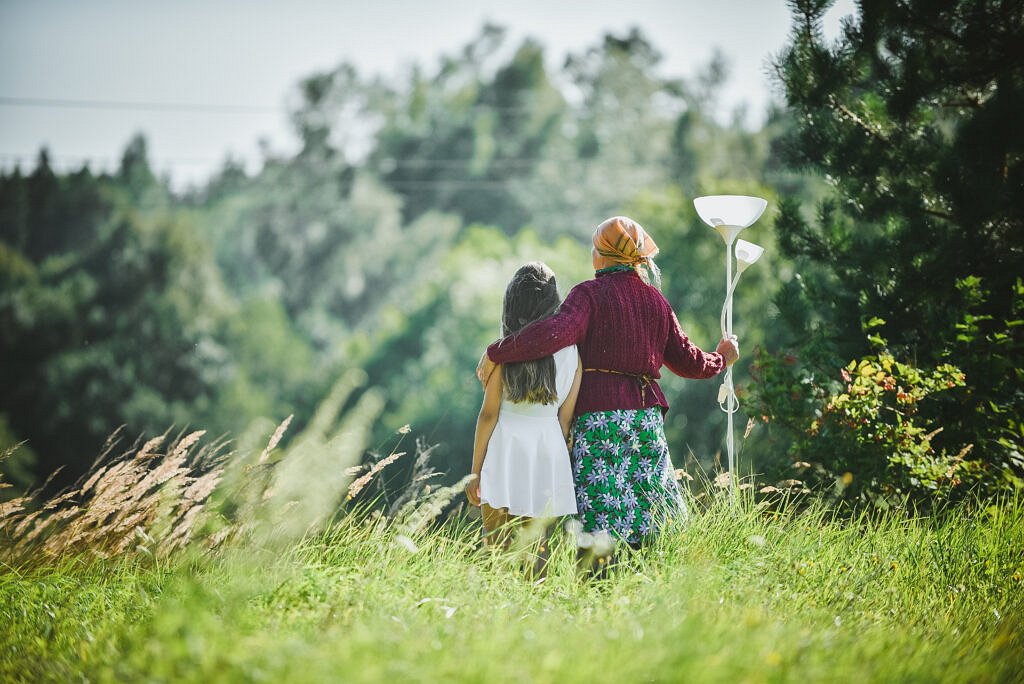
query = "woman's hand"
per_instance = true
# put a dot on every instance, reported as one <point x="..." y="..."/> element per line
<point x="729" y="348"/>
<point x="473" y="490"/>
<point x="484" y="369"/>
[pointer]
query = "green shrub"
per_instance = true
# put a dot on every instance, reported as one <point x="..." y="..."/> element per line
<point x="869" y="428"/>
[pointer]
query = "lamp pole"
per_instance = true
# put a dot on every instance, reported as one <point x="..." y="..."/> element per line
<point x="728" y="215"/>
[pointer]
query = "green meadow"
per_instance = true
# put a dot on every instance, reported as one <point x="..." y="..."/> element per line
<point x="735" y="593"/>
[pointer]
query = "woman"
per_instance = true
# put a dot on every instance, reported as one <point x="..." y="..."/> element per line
<point x="625" y="331"/>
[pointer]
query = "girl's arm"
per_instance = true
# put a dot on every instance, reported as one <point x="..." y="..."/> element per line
<point x="485" y="422"/>
<point x="568" y="407"/>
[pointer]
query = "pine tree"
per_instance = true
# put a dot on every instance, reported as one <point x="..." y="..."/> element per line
<point x="913" y="116"/>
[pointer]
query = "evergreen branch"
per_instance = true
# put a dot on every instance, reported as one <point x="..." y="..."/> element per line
<point x="936" y="31"/>
<point x="938" y="214"/>
<point x="852" y="116"/>
<point x="966" y="101"/>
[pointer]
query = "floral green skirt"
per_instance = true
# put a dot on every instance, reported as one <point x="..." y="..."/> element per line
<point x="625" y="482"/>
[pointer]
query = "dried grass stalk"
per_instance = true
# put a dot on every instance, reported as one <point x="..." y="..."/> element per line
<point x="358" y="485"/>
<point x="275" y="439"/>
<point x="117" y="502"/>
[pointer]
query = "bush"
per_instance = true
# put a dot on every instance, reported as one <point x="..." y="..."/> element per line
<point x="868" y="429"/>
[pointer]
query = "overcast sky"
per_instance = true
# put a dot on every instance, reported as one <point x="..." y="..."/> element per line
<point x="249" y="53"/>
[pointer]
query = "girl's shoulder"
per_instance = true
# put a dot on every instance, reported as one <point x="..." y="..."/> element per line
<point x="566" y="355"/>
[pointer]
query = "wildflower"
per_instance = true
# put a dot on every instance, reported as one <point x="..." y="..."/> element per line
<point x="405" y="429"/>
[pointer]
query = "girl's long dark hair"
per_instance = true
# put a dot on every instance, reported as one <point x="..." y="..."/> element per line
<point x="531" y="294"/>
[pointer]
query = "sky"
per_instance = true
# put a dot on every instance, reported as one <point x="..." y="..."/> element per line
<point x="206" y="78"/>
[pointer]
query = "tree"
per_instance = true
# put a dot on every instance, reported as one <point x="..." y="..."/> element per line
<point x="108" y="314"/>
<point x="913" y="117"/>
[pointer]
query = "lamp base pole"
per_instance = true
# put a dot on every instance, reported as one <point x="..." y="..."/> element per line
<point x="729" y="234"/>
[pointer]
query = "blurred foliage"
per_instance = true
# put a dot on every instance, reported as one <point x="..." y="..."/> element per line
<point x="383" y="245"/>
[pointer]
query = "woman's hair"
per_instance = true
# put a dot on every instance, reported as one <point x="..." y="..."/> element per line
<point x="531" y="294"/>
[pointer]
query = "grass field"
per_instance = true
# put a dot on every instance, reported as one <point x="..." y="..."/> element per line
<point x="731" y="595"/>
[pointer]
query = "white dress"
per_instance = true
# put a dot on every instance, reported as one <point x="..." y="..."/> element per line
<point x="527" y="468"/>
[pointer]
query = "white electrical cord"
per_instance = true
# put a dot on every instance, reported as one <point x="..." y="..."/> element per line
<point x="727" y="400"/>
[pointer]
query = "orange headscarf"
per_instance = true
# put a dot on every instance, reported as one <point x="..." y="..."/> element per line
<point x="621" y="240"/>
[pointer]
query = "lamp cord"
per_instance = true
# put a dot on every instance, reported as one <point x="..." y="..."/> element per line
<point x="730" y="404"/>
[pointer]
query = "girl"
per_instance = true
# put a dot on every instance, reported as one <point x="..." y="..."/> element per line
<point x="520" y="457"/>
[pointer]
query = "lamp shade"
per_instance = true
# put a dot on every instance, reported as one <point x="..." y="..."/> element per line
<point x="737" y="211"/>
<point x="747" y="253"/>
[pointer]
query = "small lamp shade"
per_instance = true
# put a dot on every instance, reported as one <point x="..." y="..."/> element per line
<point x="737" y="211"/>
<point x="747" y="253"/>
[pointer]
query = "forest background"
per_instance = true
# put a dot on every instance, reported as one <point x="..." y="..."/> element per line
<point x="886" y="313"/>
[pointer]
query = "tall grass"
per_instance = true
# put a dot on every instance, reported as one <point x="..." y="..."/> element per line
<point x="734" y="593"/>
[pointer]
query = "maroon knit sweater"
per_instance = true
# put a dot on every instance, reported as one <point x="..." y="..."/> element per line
<point x="619" y="324"/>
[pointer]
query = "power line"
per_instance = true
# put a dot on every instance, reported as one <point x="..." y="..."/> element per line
<point x="63" y="103"/>
<point x="408" y="184"/>
<point x="106" y="160"/>
<point x="228" y="108"/>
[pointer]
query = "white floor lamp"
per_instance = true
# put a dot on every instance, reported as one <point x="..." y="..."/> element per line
<point x="728" y="215"/>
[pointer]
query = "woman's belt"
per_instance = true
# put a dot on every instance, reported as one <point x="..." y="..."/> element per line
<point x="642" y="378"/>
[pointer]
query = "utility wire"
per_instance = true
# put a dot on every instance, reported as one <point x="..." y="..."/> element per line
<point x="227" y="108"/>
<point x="62" y="103"/>
<point x="383" y="165"/>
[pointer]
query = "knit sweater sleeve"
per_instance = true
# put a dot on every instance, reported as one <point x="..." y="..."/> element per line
<point x="548" y="335"/>
<point x="686" y="359"/>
